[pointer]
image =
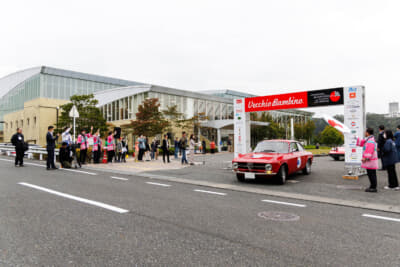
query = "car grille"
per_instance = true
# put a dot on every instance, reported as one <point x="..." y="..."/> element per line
<point x="251" y="166"/>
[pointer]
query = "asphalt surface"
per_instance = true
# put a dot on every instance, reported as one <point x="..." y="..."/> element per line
<point x="175" y="224"/>
<point x="324" y="181"/>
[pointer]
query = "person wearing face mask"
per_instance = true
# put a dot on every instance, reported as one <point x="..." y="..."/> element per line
<point x="381" y="143"/>
<point x="369" y="158"/>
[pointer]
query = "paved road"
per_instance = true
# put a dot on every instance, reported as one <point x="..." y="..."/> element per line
<point x="324" y="181"/>
<point x="51" y="219"/>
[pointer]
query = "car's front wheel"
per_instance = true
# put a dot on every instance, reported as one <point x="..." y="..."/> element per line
<point x="307" y="168"/>
<point x="240" y="177"/>
<point x="282" y="175"/>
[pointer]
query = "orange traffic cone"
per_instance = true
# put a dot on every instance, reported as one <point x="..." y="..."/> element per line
<point x="105" y="157"/>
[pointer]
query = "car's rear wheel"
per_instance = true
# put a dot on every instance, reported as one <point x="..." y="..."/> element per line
<point x="240" y="177"/>
<point x="307" y="168"/>
<point x="282" y="175"/>
<point x="336" y="158"/>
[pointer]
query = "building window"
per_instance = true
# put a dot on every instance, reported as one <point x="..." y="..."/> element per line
<point x="34" y="121"/>
<point x="22" y="123"/>
<point x="16" y="124"/>
<point x="10" y="125"/>
<point x="27" y="122"/>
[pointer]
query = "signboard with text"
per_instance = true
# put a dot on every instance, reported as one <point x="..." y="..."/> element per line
<point x="316" y="98"/>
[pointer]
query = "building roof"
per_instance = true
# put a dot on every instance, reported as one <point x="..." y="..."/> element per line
<point x="228" y="93"/>
<point x="110" y="95"/>
<point x="12" y="80"/>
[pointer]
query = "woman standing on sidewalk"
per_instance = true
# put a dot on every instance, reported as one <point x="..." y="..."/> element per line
<point x="192" y="145"/>
<point x="369" y="158"/>
<point x="389" y="160"/>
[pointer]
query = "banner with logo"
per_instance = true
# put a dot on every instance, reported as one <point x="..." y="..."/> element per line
<point x="354" y="119"/>
<point x="316" y="98"/>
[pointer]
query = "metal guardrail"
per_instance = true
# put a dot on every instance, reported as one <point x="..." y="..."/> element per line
<point x="10" y="151"/>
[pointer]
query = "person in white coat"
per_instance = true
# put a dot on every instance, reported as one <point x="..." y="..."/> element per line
<point x="192" y="145"/>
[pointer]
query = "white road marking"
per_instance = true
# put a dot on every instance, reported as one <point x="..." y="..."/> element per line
<point x="44" y="166"/>
<point x="381" y="217"/>
<point x="164" y="185"/>
<point x="90" y="173"/>
<point x="84" y="200"/>
<point x="119" y="178"/>
<point x="210" y="192"/>
<point x="284" y="203"/>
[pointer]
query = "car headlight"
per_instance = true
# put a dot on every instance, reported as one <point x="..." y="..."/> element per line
<point x="268" y="167"/>
<point x="235" y="165"/>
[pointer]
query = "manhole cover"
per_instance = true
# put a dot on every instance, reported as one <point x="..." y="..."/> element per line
<point x="278" y="216"/>
<point x="350" y="187"/>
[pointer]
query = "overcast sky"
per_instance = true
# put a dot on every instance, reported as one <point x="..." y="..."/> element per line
<point x="262" y="47"/>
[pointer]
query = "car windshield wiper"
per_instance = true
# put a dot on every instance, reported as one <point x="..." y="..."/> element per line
<point x="268" y="151"/>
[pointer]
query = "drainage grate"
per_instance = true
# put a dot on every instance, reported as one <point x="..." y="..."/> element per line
<point x="278" y="216"/>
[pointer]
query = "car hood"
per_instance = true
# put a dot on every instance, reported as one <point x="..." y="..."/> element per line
<point x="259" y="157"/>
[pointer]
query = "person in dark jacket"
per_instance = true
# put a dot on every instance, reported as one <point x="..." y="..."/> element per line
<point x="204" y="146"/>
<point x="165" y="148"/>
<point x="64" y="156"/>
<point x="51" y="146"/>
<point x="381" y="142"/>
<point x="18" y="141"/>
<point x="389" y="159"/>
<point x="397" y="140"/>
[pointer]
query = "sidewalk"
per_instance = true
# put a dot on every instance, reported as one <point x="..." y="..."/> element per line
<point x="147" y="166"/>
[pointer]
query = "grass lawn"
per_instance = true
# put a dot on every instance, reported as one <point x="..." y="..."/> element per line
<point x="322" y="150"/>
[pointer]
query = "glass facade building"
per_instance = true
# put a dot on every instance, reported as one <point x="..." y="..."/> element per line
<point x="46" y="82"/>
<point x="122" y="103"/>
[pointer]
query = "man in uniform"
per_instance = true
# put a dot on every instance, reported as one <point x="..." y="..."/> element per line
<point x="18" y="141"/>
<point x="51" y="145"/>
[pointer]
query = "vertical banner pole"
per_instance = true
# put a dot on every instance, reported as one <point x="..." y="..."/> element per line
<point x="355" y="120"/>
<point x="241" y="127"/>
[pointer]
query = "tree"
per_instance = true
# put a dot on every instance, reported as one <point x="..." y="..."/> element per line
<point x="304" y="131"/>
<point x="89" y="114"/>
<point x="150" y="121"/>
<point x="272" y="131"/>
<point x="175" y="117"/>
<point x="331" y="136"/>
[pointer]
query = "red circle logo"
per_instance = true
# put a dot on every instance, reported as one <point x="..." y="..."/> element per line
<point x="335" y="96"/>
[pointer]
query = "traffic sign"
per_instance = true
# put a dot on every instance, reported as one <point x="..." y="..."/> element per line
<point x="74" y="112"/>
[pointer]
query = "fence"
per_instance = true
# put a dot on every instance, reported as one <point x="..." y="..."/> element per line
<point x="10" y="151"/>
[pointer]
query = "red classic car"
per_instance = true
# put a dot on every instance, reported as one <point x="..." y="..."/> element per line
<point x="276" y="158"/>
<point x="337" y="153"/>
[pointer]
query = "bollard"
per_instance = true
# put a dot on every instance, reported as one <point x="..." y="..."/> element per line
<point x="104" y="157"/>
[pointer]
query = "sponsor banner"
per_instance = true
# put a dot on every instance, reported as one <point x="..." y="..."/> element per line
<point x="326" y="97"/>
<point x="317" y="98"/>
<point x="354" y="120"/>
<point x="274" y="102"/>
<point x="240" y="136"/>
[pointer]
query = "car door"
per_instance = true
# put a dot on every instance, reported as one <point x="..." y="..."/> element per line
<point x="303" y="155"/>
<point x="294" y="160"/>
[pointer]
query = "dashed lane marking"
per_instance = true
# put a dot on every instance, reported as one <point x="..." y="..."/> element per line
<point x="210" y="192"/>
<point x="119" y="178"/>
<point x="83" y="200"/>
<point x="164" y="185"/>
<point x="381" y="217"/>
<point x="284" y="203"/>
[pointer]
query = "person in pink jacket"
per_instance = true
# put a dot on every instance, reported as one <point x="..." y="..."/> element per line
<point x="369" y="158"/>
<point x="84" y="144"/>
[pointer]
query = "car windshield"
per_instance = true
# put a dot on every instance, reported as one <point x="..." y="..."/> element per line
<point x="272" y="147"/>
